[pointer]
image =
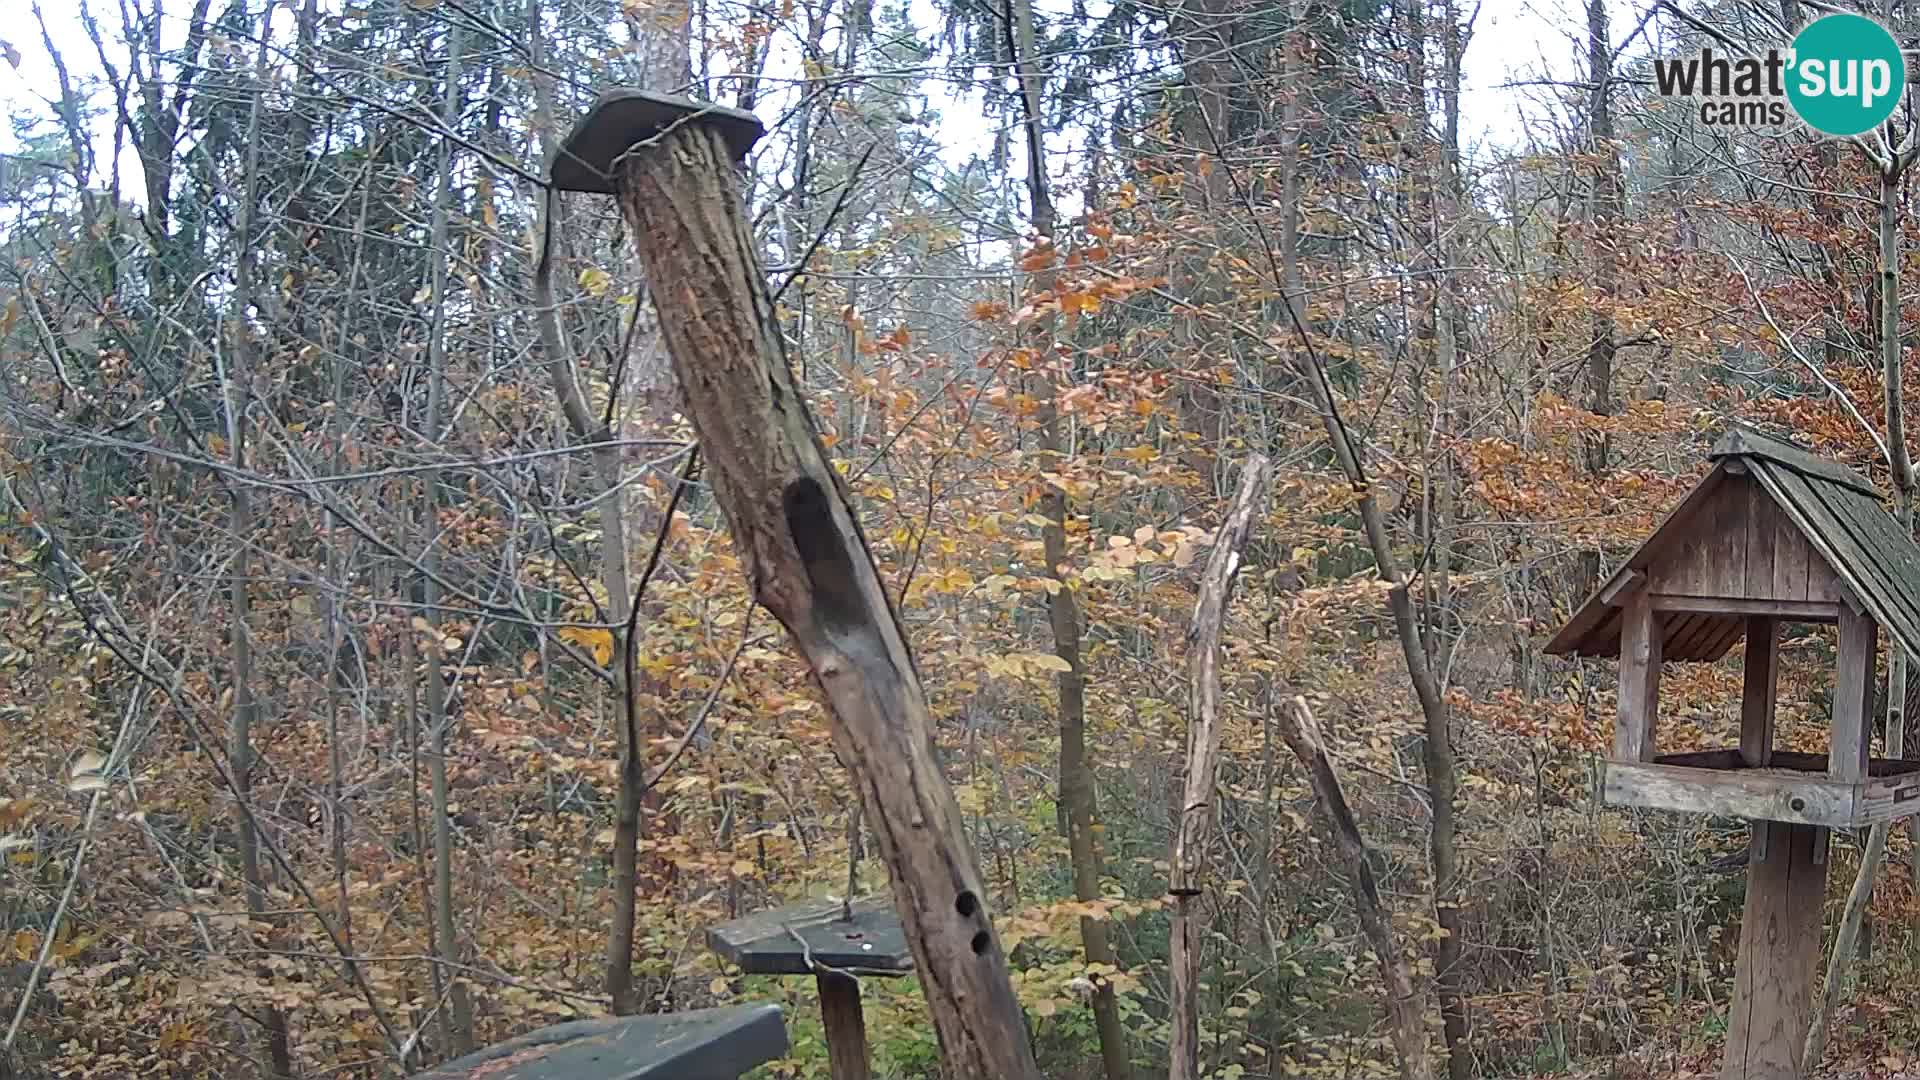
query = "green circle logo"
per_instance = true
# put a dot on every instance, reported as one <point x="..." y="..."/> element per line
<point x="1846" y="75"/>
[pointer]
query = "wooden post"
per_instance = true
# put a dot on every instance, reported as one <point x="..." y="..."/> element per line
<point x="846" y="1027"/>
<point x="807" y="557"/>
<point x="1757" y="693"/>
<point x="1184" y="937"/>
<point x="1779" y="953"/>
<point x="1639" y="679"/>
<point x="1852" y="690"/>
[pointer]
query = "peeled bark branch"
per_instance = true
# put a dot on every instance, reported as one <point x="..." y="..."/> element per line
<point x="1203" y="757"/>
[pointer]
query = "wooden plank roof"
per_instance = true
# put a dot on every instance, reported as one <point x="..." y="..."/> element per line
<point x="1838" y="511"/>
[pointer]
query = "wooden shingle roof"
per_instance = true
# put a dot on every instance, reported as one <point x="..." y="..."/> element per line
<point x="1869" y="561"/>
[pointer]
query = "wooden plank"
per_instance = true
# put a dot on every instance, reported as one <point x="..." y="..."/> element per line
<point x="1894" y="560"/>
<point x="1674" y="631"/>
<point x="1731" y="632"/>
<point x="1588" y="632"/>
<point x="1757" y="691"/>
<point x="1626" y="581"/>
<point x="1790" y="553"/>
<point x="1640" y="656"/>
<point x="1703" y="759"/>
<point x="1852" y="691"/>
<point x="1692" y="644"/>
<point x="1740" y="442"/>
<point x="1779" y="954"/>
<point x="846" y="1027"/>
<point x="723" y="1042"/>
<point x="1756" y="796"/>
<point x="1870" y="562"/>
<point x="1724" y="552"/>
<point x="1888" y="800"/>
<point x="1761" y="522"/>
<point x="1835" y="541"/>
<point x="1885" y="771"/>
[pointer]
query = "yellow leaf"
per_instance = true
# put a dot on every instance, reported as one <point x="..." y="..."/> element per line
<point x="718" y="986"/>
<point x="597" y="641"/>
<point x="595" y="281"/>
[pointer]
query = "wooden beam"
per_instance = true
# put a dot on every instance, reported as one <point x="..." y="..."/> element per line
<point x="1852" y="690"/>
<point x="1624" y="583"/>
<point x="1779" y="954"/>
<point x="1639" y="680"/>
<point x="1809" y="800"/>
<point x="1757" y="691"/>
<point x="1790" y="610"/>
<point x="846" y="1027"/>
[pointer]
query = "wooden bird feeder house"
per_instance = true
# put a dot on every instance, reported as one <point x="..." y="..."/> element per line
<point x="834" y="942"/>
<point x="1772" y="535"/>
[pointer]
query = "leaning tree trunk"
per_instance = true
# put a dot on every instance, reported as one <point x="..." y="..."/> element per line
<point x="809" y="565"/>
<point x="1407" y="1005"/>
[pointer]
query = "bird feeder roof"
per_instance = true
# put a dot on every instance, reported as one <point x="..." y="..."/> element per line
<point x="622" y="118"/>
<point x="1736" y="546"/>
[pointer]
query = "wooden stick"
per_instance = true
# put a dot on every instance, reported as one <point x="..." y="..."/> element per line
<point x="1407" y="1007"/>
<point x="1203" y="751"/>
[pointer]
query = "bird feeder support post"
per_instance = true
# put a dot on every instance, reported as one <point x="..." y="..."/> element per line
<point x="841" y="1015"/>
<point x="1640" y="648"/>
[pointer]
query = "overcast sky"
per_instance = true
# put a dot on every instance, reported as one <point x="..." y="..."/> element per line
<point x="1514" y="42"/>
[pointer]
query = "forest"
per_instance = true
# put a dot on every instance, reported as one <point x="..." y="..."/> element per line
<point x="387" y="668"/>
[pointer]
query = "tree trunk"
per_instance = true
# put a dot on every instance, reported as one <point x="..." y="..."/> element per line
<point x="1203" y="758"/>
<point x="1407" y="1006"/>
<point x="1606" y="212"/>
<point x="459" y="1007"/>
<point x="809" y="565"/>
<point x="624" y="878"/>
<point x="1900" y="464"/>
<point x="239" y="399"/>
<point x="1077" y="790"/>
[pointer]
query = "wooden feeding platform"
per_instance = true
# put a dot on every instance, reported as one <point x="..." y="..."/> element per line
<point x="1791" y="787"/>
<point x="623" y="120"/>
<point x="700" y="1044"/>
<point x="834" y="942"/>
<point x="1772" y="535"/>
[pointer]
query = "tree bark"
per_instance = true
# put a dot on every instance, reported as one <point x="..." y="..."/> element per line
<point x="1203" y="759"/>
<point x="809" y="565"/>
<point x="1406" y="1006"/>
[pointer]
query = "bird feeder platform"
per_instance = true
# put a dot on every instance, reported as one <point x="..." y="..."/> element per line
<point x="699" y="1044"/>
<point x="1772" y="535"/>
<point x="781" y="941"/>
<point x="1791" y="787"/>
<point x="622" y="119"/>
<point x="818" y="938"/>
